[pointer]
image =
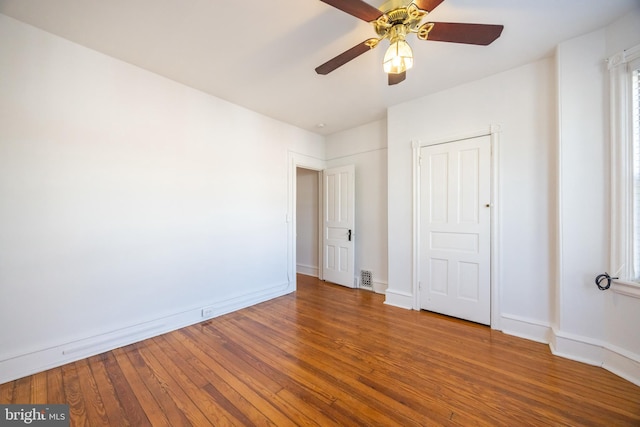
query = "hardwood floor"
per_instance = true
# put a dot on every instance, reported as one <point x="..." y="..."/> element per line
<point x="328" y="355"/>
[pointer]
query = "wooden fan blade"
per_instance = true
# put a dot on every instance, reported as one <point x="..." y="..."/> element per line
<point x="480" y="34"/>
<point x="394" y="79"/>
<point x="357" y="8"/>
<point x="344" y="57"/>
<point x="427" y="5"/>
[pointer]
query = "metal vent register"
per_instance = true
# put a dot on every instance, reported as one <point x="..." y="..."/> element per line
<point x="365" y="279"/>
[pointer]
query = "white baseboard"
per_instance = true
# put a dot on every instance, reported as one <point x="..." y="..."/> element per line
<point x="622" y="363"/>
<point x="399" y="299"/>
<point x="575" y="347"/>
<point x="307" y="270"/>
<point x="21" y="365"/>
<point x="379" y="287"/>
<point x="525" y="328"/>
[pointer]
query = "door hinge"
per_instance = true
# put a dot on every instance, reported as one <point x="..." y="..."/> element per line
<point x="420" y="161"/>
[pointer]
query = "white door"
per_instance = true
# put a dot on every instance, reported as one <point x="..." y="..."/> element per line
<point x="455" y="229"/>
<point x="338" y="188"/>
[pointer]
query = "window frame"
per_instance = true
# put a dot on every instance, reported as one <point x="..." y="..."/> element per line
<point x="621" y="68"/>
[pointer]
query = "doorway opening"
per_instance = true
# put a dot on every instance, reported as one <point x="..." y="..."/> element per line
<point x="335" y="221"/>
<point x="308" y="234"/>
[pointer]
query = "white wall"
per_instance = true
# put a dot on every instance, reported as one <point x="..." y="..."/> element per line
<point x="623" y="33"/>
<point x="593" y="326"/>
<point x="307" y="221"/>
<point x="583" y="184"/>
<point x="520" y="102"/>
<point x="365" y="148"/>
<point x="129" y="202"/>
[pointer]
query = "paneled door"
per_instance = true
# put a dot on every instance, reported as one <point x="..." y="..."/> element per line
<point x="455" y="229"/>
<point x="338" y="187"/>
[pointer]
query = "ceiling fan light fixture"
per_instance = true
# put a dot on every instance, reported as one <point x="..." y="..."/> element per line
<point x="394" y="21"/>
<point x="398" y="58"/>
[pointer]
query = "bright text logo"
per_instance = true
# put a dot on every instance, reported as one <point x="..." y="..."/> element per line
<point x="36" y="415"/>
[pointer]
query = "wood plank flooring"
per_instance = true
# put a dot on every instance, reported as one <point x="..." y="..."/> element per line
<point x="328" y="355"/>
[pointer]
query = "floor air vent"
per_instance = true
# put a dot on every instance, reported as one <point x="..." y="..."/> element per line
<point x="365" y="279"/>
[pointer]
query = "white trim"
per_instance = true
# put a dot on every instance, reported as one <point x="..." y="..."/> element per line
<point x="493" y="132"/>
<point x="624" y="57"/>
<point x="306" y="162"/>
<point x="320" y="224"/>
<point x="622" y="363"/>
<point x="496" y="208"/>
<point x="523" y="327"/>
<point x="576" y="347"/>
<point x="307" y="270"/>
<point x="20" y="365"/>
<point x="621" y="204"/>
<point x="415" y="237"/>
<point x="559" y="270"/>
<point x="630" y="289"/>
<point x="380" y="287"/>
<point x="457" y="136"/>
<point x="398" y="299"/>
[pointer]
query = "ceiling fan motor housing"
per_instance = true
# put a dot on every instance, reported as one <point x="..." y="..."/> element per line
<point x="407" y="17"/>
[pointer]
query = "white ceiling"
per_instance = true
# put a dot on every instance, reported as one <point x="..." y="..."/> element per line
<point x="262" y="54"/>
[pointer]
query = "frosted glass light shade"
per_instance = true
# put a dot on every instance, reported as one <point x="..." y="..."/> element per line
<point x="398" y="58"/>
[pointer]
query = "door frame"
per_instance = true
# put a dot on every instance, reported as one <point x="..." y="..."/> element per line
<point x="295" y="161"/>
<point x="494" y="133"/>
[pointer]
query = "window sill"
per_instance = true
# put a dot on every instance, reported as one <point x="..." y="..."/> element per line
<point x="631" y="289"/>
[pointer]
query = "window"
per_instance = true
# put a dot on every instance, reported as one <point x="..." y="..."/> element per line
<point x="624" y="69"/>
<point x="635" y="124"/>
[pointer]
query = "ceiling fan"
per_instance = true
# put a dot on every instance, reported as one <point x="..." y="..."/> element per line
<point x="394" y="21"/>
